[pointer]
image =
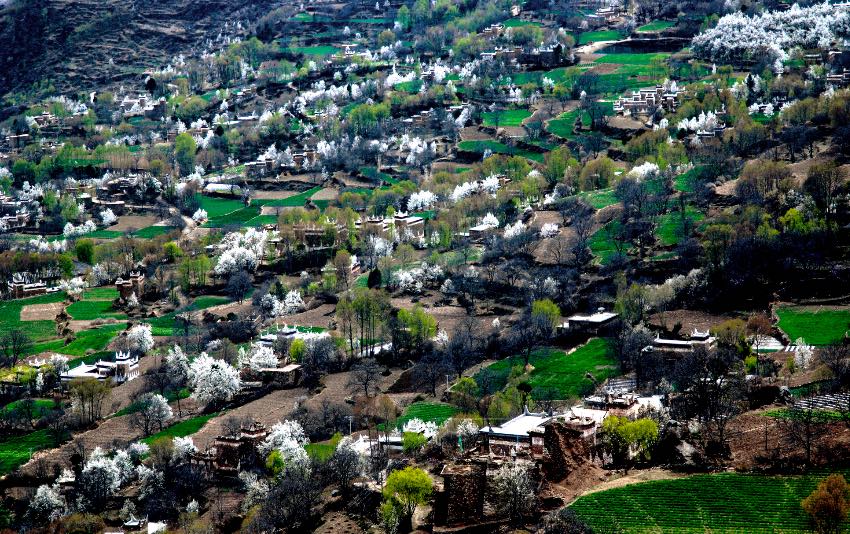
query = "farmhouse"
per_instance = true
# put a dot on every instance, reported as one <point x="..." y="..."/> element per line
<point x="594" y="324"/>
<point x="646" y="100"/>
<point x="679" y="346"/>
<point x="134" y="284"/>
<point x="123" y="369"/>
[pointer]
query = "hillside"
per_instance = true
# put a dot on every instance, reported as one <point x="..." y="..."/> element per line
<point x="83" y="44"/>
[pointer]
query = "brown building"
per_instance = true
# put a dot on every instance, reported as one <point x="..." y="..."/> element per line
<point x="135" y="284"/>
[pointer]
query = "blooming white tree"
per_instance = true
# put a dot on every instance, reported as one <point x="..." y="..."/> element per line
<point x="155" y="410"/>
<point x="212" y="381"/>
<point x="200" y="215"/>
<point x="140" y="338"/>
<point x="74" y="286"/>
<point x="490" y="220"/>
<point x="549" y="230"/>
<point x="132" y="301"/>
<point x="421" y="200"/>
<point x="418" y="426"/>
<point x="107" y="217"/>
<point x="46" y="505"/>
<point x="183" y="449"/>
<point x="292" y="302"/>
<point x="513" y="230"/>
<point x="289" y="439"/>
<point x="75" y="231"/>
<point x="261" y="357"/>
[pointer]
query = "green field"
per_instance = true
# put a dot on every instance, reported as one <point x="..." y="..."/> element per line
<point x="599" y="199"/>
<point x="183" y="428"/>
<point x="727" y="502"/>
<point x="10" y="316"/>
<point x="633" y="59"/>
<point x="319" y="50"/>
<point x="165" y="324"/>
<point x="413" y="86"/>
<point x="564" y="125"/>
<point x="506" y="118"/>
<point x="602" y="35"/>
<point x="320" y="452"/>
<point x="687" y="181"/>
<point x="295" y="201"/>
<point x="669" y="229"/>
<point x="656" y="26"/>
<point x="239" y="217"/>
<point x="427" y="411"/>
<point x="15" y="452"/>
<point x="816" y="325"/>
<point x="40" y="407"/>
<point x="516" y="23"/>
<point x="95" y="339"/>
<point x="145" y="233"/>
<point x="564" y="372"/>
<point x="602" y="244"/>
<point x="216" y="206"/>
<point x="96" y="304"/>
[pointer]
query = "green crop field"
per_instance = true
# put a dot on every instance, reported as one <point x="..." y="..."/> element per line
<point x="633" y="59"/>
<point x="670" y="225"/>
<point x="816" y="325"/>
<point x="320" y="50"/>
<point x="41" y="330"/>
<point x="599" y="199"/>
<point x="656" y="26"/>
<point x="564" y="372"/>
<point x="15" y="452"/>
<point x="153" y="231"/>
<point x="427" y="411"/>
<point x="239" y="218"/>
<point x="602" y="244"/>
<point x="564" y="125"/>
<point x="216" y="206"/>
<point x="100" y="293"/>
<point x="727" y="502"/>
<point x="506" y="118"/>
<point x="294" y="201"/>
<point x="602" y="35"/>
<point x="89" y="310"/>
<point x="165" y="324"/>
<point x="183" y="428"/>
<point x="516" y="23"/>
<point x="413" y="86"/>
<point x="39" y="407"/>
<point x="95" y="339"/>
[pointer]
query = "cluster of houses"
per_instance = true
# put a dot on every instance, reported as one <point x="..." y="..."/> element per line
<point x="647" y="100"/>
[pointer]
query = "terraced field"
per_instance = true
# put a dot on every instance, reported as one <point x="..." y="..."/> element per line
<point x="816" y="325"/>
<point x="434" y="412"/>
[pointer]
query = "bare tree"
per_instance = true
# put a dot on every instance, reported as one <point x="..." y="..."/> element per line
<point x="364" y="377"/>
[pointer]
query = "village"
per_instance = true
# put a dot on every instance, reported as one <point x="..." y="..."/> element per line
<point x="446" y="266"/>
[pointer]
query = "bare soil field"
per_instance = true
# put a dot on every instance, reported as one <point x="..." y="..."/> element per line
<point x="472" y="133"/>
<point x="690" y="319"/>
<point x="321" y="316"/>
<point x="133" y="222"/>
<point x="338" y="523"/>
<point x="271" y="409"/>
<point x="328" y="193"/>
<point x="624" y="123"/>
<point x="41" y="312"/>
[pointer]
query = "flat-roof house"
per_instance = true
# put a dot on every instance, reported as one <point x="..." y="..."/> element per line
<point x="124" y="368"/>
<point x="593" y="323"/>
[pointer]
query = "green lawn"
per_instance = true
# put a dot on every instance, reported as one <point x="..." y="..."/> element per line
<point x="506" y="118"/>
<point x="721" y="503"/>
<point x="100" y="293"/>
<point x="320" y="452"/>
<point x="413" y="86"/>
<point x="153" y="231"/>
<point x="41" y="330"/>
<point x="89" y="310"/>
<point x="632" y="59"/>
<point x="656" y="26"/>
<point x="564" y="125"/>
<point x="670" y="228"/>
<point x="601" y="35"/>
<point x="816" y="325"/>
<point x="564" y="372"/>
<point x="239" y="217"/>
<point x="435" y="412"/>
<point x="183" y="428"/>
<point x="15" y="452"/>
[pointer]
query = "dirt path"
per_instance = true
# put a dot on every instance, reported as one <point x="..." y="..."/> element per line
<point x="635" y="477"/>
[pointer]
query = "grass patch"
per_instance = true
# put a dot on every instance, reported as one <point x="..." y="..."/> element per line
<point x="294" y="201"/>
<point x="39" y="407"/>
<point x="818" y="416"/>
<point x="413" y="86"/>
<point x="599" y="199"/>
<point x="165" y="324"/>
<point x="506" y="118"/>
<point x="516" y="23"/>
<point x="14" y="452"/>
<point x="217" y="206"/>
<point x="319" y="50"/>
<point x="633" y="59"/>
<point x="656" y="26"/>
<point x="183" y="428"/>
<point x="95" y="339"/>
<point x="670" y="225"/>
<point x="10" y="316"/>
<point x="601" y="35"/>
<point x="100" y="293"/>
<point x="153" y="231"/>
<point x="435" y="412"/>
<point x="564" y="372"/>
<point x="564" y="125"/>
<point x="727" y="502"/>
<point x="239" y="217"/>
<point x="818" y="326"/>
<point x="602" y="243"/>
<point x="320" y="452"/>
<point x="89" y="310"/>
